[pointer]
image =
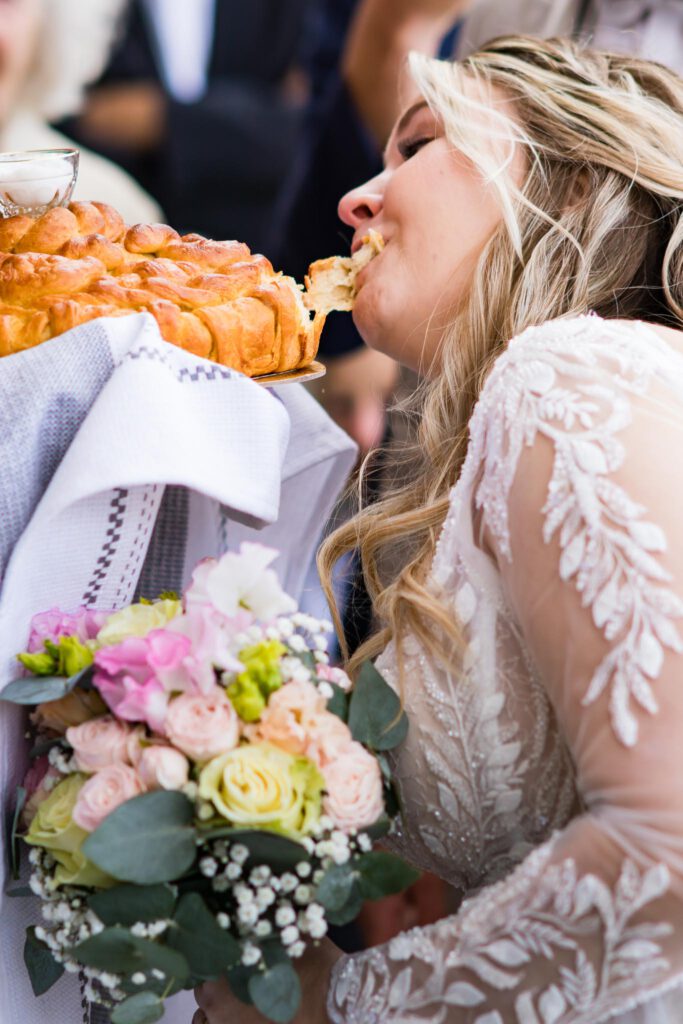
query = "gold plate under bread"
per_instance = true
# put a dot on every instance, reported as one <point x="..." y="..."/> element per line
<point x="300" y="376"/>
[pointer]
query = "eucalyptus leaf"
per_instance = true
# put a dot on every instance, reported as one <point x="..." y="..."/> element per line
<point x="383" y="874"/>
<point x="375" y="715"/>
<point x="43" y="969"/>
<point x="118" y="951"/>
<point x="208" y="948"/>
<point x="20" y="891"/>
<point x="128" y="904"/>
<point x="380" y="828"/>
<point x="278" y="852"/>
<point x="238" y="979"/>
<point x="142" y="1008"/>
<point x="276" y="992"/>
<point x="351" y="909"/>
<point x="338" y="703"/>
<point x="37" y="689"/>
<point x="146" y="840"/>
<point x="14" y="829"/>
<point x="336" y="886"/>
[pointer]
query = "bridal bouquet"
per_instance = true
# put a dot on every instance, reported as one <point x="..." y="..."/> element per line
<point x="204" y="793"/>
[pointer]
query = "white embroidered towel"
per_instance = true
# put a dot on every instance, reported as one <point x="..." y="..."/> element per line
<point x="123" y="461"/>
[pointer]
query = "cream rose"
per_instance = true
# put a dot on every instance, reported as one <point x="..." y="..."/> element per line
<point x="202" y="725"/>
<point x="354" y="789"/>
<point x="289" y="719"/>
<point x="104" y="792"/>
<point x="330" y="738"/>
<point x="260" y="786"/>
<point x="100" y="742"/>
<point x="137" y="620"/>
<point x="163" y="768"/>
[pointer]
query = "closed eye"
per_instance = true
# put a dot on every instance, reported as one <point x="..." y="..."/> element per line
<point x="407" y="148"/>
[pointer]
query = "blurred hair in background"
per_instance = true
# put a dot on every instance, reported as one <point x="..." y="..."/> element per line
<point x="49" y="51"/>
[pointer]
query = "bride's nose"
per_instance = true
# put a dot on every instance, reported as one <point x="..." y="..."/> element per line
<point x="360" y="204"/>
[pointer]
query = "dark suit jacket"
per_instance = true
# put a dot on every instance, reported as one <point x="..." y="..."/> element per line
<point x="224" y="157"/>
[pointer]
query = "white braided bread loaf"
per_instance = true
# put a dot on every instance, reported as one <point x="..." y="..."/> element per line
<point x="214" y="299"/>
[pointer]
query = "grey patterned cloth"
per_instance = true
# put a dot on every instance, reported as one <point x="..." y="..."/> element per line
<point x="123" y="461"/>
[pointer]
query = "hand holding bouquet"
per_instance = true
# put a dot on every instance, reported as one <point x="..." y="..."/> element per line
<point x="204" y="793"/>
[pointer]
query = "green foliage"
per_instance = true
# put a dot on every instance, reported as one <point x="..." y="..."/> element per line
<point x="118" y="951"/>
<point x="142" y="1008"/>
<point x="128" y="904"/>
<point x="14" y="830"/>
<point x="208" y="948"/>
<point x="276" y="992"/>
<point x="147" y="840"/>
<point x="36" y="690"/>
<point x="338" y="704"/>
<point x="43" y="970"/>
<point x="375" y="715"/>
<point x="278" y="852"/>
<point x="383" y="874"/>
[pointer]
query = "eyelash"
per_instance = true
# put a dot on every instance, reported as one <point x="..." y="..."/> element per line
<point x="408" y="148"/>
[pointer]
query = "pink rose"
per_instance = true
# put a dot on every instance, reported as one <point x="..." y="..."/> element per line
<point x="101" y="742"/>
<point x="354" y="789"/>
<point x="289" y="719"/>
<point x="103" y="793"/>
<point x="329" y="739"/>
<point x="84" y="623"/>
<point x="202" y="725"/>
<point x="163" y="767"/>
<point x="136" y="676"/>
<point x="330" y="674"/>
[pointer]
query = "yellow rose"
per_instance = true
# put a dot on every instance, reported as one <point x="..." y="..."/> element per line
<point x="137" y="620"/>
<point x="53" y="828"/>
<point x="261" y="786"/>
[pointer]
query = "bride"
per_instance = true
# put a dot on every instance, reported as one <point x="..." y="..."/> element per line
<point x="534" y="192"/>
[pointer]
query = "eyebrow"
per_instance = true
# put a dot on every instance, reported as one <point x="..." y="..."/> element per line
<point x="405" y="118"/>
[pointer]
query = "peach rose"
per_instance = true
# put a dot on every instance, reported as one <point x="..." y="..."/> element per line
<point x="163" y="768"/>
<point x="103" y="793"/>
<point x="289" y="719"/>
<point x="202" y="725"/>
<point x="354" y="789"/>
<point x="101" y="742"/>
<point x="74" y="708"/>
<point x="329" y="739"/>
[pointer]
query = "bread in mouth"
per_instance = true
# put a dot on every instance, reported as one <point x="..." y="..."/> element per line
<point x="331" y="283"/>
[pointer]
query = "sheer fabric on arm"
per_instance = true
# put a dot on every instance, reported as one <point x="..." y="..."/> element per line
<point x="573" y="466"/>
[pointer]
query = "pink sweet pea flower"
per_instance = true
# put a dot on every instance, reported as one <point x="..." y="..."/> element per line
<point x="208" y="645"/>
<point x="84" y="623"/>
<point x="136" y="676"/>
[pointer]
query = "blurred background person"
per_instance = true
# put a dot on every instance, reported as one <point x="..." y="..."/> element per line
<point x="203" y="102"/>
<point x="652" y="29"/>
<point x="49" y="51"/>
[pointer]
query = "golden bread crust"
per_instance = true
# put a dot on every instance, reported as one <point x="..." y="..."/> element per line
<point x="214" y="299"/>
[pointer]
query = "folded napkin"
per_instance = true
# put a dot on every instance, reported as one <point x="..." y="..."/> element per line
<point x="123" y="461"/>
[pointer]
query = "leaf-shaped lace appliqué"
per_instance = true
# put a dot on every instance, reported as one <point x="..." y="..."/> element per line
<point x="546" y="912"/>
<point x="577" y="395"/>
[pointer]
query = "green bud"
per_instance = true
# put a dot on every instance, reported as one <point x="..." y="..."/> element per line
<point x="40" y="664"/>
<point x="262" y="665"/>
<point x="246" y="698"/>
<point x="69" y="655"/>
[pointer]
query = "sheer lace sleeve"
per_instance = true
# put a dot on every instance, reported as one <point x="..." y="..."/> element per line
<point x="574" y="466"/>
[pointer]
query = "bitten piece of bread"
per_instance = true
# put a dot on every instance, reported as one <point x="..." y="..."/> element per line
<point x="331" y="283"/>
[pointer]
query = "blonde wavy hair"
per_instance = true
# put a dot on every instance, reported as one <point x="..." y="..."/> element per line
<point x="596" y="225"/>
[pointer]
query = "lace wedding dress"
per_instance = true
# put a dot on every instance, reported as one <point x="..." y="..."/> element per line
<point x="545" y="778"/>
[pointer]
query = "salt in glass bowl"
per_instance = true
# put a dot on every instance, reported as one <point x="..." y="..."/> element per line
<point x="33" y="181"/>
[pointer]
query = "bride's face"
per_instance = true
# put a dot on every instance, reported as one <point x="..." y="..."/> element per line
<point x="435" y="214"/>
